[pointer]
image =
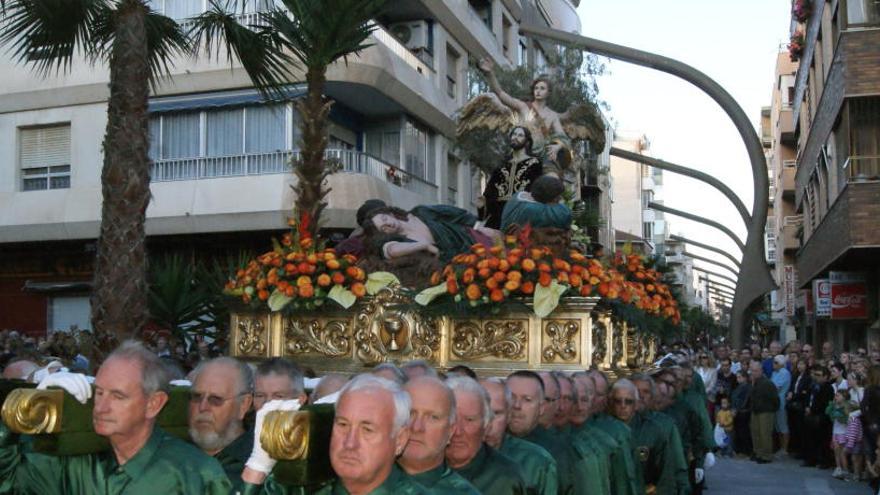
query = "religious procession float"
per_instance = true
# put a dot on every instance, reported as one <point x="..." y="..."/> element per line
<point x="517" y="286"/>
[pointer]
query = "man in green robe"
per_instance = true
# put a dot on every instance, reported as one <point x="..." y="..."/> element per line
<point x="537" y="466"/>
<point x="665" y="468"/>
<point x="587" y="437"/>
<point x="489" y="471"/>
<point x="131" y="388"/>
<point x="432" y="419"/>
<point x="622" y="406"/>
<point x="688" y="423"/>
<point x="370" y="430"/>
<point x="221" y="396"/>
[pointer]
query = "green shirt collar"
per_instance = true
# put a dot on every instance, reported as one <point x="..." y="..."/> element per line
<point x="136" y="466"/>
<point x="388" y="487"/>
<point x="432" y="476"/>
<point x="470" y="469"/>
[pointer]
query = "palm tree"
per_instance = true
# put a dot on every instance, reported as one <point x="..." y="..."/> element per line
<point x="317" y="33"/>
<point x="137" y="44"/>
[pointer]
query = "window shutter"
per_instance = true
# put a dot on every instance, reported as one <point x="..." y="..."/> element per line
<point x="45" y="147"/>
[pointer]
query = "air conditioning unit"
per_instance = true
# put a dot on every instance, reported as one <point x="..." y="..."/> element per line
<point x="412" y="34"/>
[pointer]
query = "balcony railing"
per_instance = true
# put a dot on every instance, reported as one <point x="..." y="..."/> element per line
<point x="278" y="162"/>
<point x="862" y="168"/>
<point x="389" y="41"/>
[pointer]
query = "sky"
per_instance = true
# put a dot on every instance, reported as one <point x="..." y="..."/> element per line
<point x="734" y="43"/>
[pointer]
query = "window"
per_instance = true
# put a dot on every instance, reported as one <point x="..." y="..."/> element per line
<point x="452" y="58"/>
<point x="67" y="312"/>
<point x="415" y="150"/>
<point x="44" y="157"/>
<point x="218" y="143"/>
<point x="452" y="179"/>
<point x="861" y="12"/>
<point x="523" y="51"/>
<point x="507" y="37"/>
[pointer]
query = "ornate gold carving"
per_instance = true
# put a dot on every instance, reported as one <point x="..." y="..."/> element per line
<point x="600" y="339"/>
<point x="387" y="327"/>
<point x="505" y="339"/>
<point x="327" y="337"/>
<point x="563" y="342"/>
<point x="251" y="335"/>
<point x="30" y="411"/>
<point x="617" y="349"/>
<point x="285" y="435"/>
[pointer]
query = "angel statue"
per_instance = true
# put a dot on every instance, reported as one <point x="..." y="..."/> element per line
<point x="554" y="134"/>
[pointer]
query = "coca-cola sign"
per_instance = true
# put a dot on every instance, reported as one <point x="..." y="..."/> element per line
<point x="849" y="301"/>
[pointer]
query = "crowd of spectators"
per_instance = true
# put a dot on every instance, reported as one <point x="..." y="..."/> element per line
<point x="822" y="408"/>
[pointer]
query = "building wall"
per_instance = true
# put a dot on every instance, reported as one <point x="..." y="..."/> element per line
<point x="629" y="186"/>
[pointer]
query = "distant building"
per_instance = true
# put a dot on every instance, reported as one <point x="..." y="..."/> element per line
<point x="633" y="190"/>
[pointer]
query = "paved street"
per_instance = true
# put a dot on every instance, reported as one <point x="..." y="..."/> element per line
<point x="784" y="477"/>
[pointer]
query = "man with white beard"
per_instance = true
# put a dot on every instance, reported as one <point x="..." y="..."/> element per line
<point x="221" y="395"/>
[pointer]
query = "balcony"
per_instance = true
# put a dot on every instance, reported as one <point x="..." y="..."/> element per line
<point x="862" y="168"/>
<point x="386" y="39"/>
<point x="786" y="126"/>
<point x="789" y="237"/>
<point x="861" y="13"/>
<point x="848" y="236"/>
<point x="279" y="162"/>
<point x="786" y="179"/>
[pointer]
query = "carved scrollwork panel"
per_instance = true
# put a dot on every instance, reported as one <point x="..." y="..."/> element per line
<point x="600" y="339"/>
<point x="252" y="332"/>
<point x="563" y="340"/>
<point x="502" y="339"/>
<point x="326" y="337"/>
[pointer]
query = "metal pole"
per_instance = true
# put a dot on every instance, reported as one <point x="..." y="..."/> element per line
<point x="706" y="246"/>
<point x="689" y="172"/>
<point x="697" y="218"/>
<point x="731" y="288"/>
<point x="715" y="274"/>
<point x="755" y="274"/>
<point x="709" y="260"/>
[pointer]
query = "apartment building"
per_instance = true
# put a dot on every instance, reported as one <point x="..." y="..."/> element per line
<point x="634" y="186"/>
<point x="836" y="115"/>
<point x="781" y="240"/>
<point x="220" y="176"/>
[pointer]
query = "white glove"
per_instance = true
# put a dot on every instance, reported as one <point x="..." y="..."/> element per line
<point x="311" y="383"/>
<point x="76" y="384"/>
<point x="698" y="475"/>
<point x="180" y="383"/>
<point x="329" y="399"/>
<point x="52" y="367"/>
<point x="259" y="459"/>
<point x="709" y="461"/>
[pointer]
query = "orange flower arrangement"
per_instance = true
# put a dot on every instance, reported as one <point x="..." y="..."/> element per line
<point x="643" y="288"/>
<point x="299" y="271"/>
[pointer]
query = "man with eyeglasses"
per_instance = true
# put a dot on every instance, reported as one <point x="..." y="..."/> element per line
<point x="562" y="421"/>
<point x="625" y="478"/>
<point x="221" y="396"/>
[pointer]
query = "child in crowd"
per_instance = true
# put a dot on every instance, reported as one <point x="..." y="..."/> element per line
<point x="854" y="442"/>
<point x="724" y="419"/>
<point x="838" y="410"/>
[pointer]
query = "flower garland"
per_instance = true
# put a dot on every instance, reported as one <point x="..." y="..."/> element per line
<point x="796" y="46"/>
<point x="302" y="274"/>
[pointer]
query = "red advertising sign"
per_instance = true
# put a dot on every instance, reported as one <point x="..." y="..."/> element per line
<point x="849" y="301"/>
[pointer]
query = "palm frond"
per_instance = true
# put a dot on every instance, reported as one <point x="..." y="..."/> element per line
<point x="320" y="32"/>
<point x="257" y="47"/>
<point x="47" y="33"/>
